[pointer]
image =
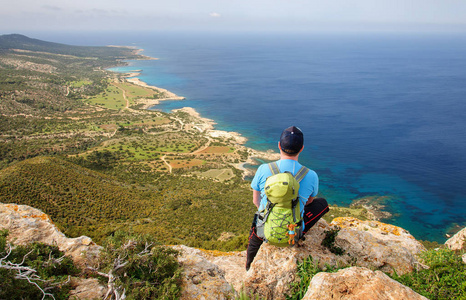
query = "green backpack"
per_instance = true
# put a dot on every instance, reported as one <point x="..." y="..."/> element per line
<point x="282" y="207"/>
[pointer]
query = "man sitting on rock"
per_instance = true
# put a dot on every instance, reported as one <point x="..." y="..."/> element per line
<point x="312" y="209"/>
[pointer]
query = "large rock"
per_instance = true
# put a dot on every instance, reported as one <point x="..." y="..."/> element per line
<point x="374" y="244"/>
<point x="458" y="241"/>
<point x="220" y="275"/>
<point x="201" y="278"/>
<point x="274" y="268"/>
<point x="27" y="225"/>
<point x="87" y="288"/>
<point x="357" y="283"/>
<point x="368" y="244"/>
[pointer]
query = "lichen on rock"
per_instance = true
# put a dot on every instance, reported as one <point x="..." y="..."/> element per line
<point x="28" y="225"/>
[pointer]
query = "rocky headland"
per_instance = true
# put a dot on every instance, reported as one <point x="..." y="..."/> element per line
<point x="372" y="249"/>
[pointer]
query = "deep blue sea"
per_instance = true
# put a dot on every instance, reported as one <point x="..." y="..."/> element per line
<point x="383" y="115"/>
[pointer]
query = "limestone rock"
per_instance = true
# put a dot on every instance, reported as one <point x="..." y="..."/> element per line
<point x="232" y="264"/>
<point x="458" y="241"/>
<point x="27" y="225"/>
<point x="369" y="244"/>
<point x="220" y="275"/>
<point x="201" y="278"/>
<point x="357" y="283"/>
<point x="89" y="288"/>
<point x="378" y="245"/>
<point x="274" y="268"/>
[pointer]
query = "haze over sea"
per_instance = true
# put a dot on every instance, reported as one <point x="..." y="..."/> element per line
<point x="382" y="114"/>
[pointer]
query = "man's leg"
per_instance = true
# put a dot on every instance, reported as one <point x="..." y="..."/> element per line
<point x="255" y="243"/>
<point x="313" y="212"/>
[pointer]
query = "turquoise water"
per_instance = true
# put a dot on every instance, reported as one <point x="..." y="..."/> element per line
<point x="382" y="115"/>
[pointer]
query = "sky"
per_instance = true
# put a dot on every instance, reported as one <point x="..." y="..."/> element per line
<point x="232" y="15"/>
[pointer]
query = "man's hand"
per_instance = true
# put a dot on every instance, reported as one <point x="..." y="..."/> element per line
<point x="309" y="201"/>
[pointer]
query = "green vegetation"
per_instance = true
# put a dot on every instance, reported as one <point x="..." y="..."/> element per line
<point x="358" y="212"/>
<point x="306" y="270"/>
<point x="74" y="146"/>
<point x="242" y="295"/>
<point x="74" y="143"/>
<point x="107" y="54"/>
<point x="329" y="241"/>
<point x="33" y="271"/>
<point x="174" y="209"/>
<point x="118" y="95"/>
<point x="111" y="98"/>
<point x="141" y="268"/>
<point x="445" y="277"/>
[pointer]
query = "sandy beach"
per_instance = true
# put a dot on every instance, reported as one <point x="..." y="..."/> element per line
<point x="148" y="103"/>
<point x="168" y="95"/>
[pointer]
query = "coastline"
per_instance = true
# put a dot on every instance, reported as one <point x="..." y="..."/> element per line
<point x="167" y="95"/>
<point x="204" y="125"/>
<point x="207" y="126"/>
<point x="375" y="208"/>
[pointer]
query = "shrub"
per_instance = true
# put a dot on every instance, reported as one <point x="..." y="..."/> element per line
<point x="445" y="278"/>
<point x="329" y="241"/>
<point x="141" y="269"/>
<point x="306" y="270"/>
<point x="41" y="271"/>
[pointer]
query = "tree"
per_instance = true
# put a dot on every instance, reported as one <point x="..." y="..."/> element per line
<point x="134" y="266"/>
<point x="35" y="271"/>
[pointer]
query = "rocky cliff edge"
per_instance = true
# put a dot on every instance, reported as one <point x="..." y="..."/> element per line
<point x="369" y="246"/>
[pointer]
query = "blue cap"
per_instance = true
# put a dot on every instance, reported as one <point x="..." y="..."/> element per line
<point x="292" y="140"/>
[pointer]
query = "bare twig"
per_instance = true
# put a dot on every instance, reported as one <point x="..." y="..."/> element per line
<point x="146" y="250"/>
<point x="113" y="291"/>
<point x="23" y="272"/>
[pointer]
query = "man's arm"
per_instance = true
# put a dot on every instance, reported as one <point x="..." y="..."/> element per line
<point x="256" y="197"/>
<point x="309" y="201"/>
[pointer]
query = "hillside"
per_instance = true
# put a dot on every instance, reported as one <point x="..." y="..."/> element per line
<point x="83" y="201"/>
<point x="77" y="143"/>
<point x="43" y="78"/>
<point x="21" y="42"/>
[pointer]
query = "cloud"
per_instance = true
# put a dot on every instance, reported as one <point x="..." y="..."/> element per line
<point x="215" y="15"/>
<point x="98" y="12"/>
<point x="53" y="8"/>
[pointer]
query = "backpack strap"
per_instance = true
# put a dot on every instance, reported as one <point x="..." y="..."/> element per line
<point x="299" y="176"/>
<point x="274" y="168"/>
<point x="301" y="173"/>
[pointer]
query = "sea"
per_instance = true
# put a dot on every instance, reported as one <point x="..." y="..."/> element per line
<point x="383" y="114"/>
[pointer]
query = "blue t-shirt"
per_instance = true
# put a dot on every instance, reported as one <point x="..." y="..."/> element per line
<point x="308" y="187"/>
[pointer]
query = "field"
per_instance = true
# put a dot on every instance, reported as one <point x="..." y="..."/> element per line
<point x="218" y="150"/>
<point x="120" y="95"/>
<point x="219" y="174"/>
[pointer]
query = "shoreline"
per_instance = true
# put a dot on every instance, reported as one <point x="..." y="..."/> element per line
<point x="132" y="78"/>
<point x="205" y="125"/>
